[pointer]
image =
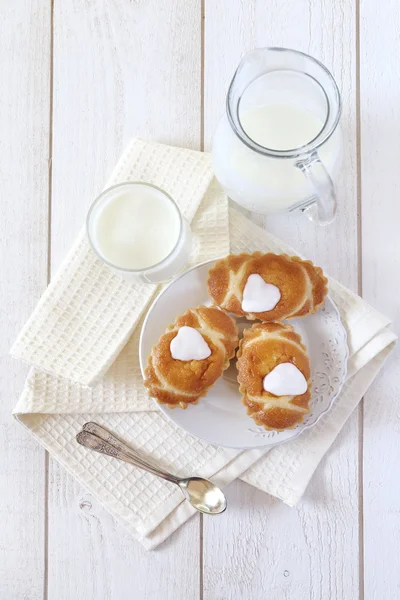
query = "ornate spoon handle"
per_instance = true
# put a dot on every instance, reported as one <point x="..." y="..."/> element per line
<point x="107" y="436"/>
<point x="117" y="450"/>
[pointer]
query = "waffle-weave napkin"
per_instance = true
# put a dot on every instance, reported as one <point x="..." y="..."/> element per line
<point x="87" y="309"/>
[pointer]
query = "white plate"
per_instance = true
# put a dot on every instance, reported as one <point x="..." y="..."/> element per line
<point x="220" y="417"/>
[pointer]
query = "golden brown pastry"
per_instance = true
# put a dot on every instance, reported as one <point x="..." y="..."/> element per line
<point x="274" y="375"/>
<point x="269" y="287"/>
<point x="190" y="356"/>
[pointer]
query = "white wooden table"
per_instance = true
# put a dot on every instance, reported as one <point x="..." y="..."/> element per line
<point x="78" y="79"/>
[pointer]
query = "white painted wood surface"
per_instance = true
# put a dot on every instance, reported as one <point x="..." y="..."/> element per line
<point x="83" y="77"/>
<point x="24" y="152"/>
<point x="112" y="82"/>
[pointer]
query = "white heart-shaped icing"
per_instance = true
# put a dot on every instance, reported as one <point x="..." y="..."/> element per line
<point x="189" y="344"/>
<point x="285" y="380"/>
<point x="259" y="296"/>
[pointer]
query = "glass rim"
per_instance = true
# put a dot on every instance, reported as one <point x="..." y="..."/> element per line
<point x="300" y="150"/>
<point x="101" y="196"/>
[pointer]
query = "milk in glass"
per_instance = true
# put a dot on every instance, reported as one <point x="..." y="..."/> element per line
<point x="137" y="229"/>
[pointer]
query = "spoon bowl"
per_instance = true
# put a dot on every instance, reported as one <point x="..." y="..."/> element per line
<point x="203" y="495"/>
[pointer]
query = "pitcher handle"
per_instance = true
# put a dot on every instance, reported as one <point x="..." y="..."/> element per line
<point x="323" y="210"/>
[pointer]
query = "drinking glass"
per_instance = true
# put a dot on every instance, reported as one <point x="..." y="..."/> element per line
<point x="108" y="234"/>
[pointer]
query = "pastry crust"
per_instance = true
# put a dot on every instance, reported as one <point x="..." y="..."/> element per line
<point x="303" y="286"/>
<point x="262" y="348"/>
<point x="180" y="383"/>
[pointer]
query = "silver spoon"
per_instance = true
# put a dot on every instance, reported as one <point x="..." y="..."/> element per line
<point x="201" y="493"/>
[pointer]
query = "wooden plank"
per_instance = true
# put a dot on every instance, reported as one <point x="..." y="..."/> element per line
<point x="120" y="69"/>
<point x="93" y="556"/>
<point x="380" y="181"/>
<point x="267" y="548"/>
<point x="24" y="151"/>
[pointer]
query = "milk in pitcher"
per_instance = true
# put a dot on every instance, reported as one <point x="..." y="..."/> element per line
<point x="276" y="113"/>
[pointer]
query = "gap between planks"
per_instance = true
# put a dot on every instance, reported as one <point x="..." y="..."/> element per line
<point x="202" y="51"/>
<point x="359" y="291"/>
<point x="49" y="217"/>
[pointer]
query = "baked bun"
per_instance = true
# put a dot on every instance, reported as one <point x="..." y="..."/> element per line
<point x="190" y="356"/>
<point x="269" y="287"/>
<point x="274" y="375"/>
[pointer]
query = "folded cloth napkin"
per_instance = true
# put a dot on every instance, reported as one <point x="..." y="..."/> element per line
<point x="57" y="401"/>
<point x="87" y="313"/>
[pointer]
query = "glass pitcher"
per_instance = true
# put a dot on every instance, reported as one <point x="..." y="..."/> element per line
<point x="279" y="146"/>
